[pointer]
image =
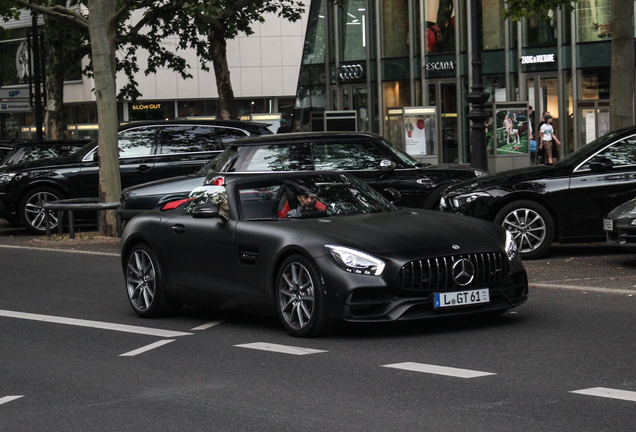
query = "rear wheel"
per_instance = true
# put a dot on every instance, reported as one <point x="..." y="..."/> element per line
<point x="531" y="226"/>
<point x="300" y="298"/>
<point x="31" y="210"/>
<point x="144" y="284"/>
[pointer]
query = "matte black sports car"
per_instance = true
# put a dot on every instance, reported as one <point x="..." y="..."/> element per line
<point x="564" y="202"/>
<point x="368" y="156"/>
<point x="620" y="225"/>
<point x="346" y="254"/>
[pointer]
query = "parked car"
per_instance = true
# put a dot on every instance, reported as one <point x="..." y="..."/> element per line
<point x="366" y="155"/>
<point x="33" y="150"/>
<point x="620" y="225"/>
<point x="564" y="202"/>
<point x="148" y="151"/>
<point x="350" y="256"/>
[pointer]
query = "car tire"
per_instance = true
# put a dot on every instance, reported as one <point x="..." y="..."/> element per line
<point x="531" y="225"/>
<point x="300" y="299"/>
<point x="31" y="211"/>
<point x="144" y="284"/>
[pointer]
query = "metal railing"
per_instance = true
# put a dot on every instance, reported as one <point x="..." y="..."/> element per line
<point x="73" y="205"/>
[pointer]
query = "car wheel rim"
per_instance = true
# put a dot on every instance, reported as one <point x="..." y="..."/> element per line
<point x="527" y="227"/>
<point x="140" y="280"/>
<point x="296" y="295"/>
<point x="35" y="213"/>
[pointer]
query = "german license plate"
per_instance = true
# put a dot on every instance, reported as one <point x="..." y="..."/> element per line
<point x="461" y="298"/>
<point x="608" y="224"/>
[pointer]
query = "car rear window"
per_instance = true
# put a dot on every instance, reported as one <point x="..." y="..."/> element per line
<point x="189" y="139"/>
<point x="346" y="156"/>
<point x="296" y="157"/>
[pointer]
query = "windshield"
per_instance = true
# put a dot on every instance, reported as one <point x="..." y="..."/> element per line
<point x="404" y="157"/>
<point x="588" y="148"/>
<point x="310" y="197"/>
<point x="222" y="163"/>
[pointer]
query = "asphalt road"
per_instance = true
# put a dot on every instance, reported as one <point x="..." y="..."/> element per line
<point x="74" y="357"/>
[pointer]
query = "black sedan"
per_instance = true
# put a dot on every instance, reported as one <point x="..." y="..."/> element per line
<point x="368" y="156"/>
<point x="564" y="202"/>
<point x="348" y="255"/>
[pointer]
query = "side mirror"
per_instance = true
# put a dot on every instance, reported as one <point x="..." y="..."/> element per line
<point x="599" y="164"/>
<point x="392" y="195"/>
<point x="387" y="165"/>
<point x="208" y="211"/>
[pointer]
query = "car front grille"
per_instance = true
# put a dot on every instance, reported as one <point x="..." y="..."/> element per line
<point x="436" y="274"/>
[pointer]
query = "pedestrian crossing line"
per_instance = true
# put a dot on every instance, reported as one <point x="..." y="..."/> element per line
<point x="146" y="348"/>
<point x="608" y="393"/>
<point x="438" y="370"/>
<point x="284" y="349"/>
<point x="8" y="399"/>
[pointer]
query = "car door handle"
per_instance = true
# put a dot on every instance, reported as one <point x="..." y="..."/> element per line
<point x="178" y="228"/>
<point x="143" y="168"/>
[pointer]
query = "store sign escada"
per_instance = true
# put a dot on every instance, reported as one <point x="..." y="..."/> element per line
<point x="541" y="58"/>
<point x="438" y="66"/>
<point x="349" y="72"/>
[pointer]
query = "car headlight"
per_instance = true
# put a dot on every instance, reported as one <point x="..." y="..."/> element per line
<point x="460" y="200"/>
<point x="442" y="204"/>
<point x="511" y="246"/>
<point x="6" y="177"/>
<point x="480" y="173"/>
<point x="354" y="261"/>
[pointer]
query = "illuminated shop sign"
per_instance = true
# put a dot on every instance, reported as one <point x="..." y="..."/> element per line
<point x="438" y="66"/>
<point x="541" y="58"/>
<point x="348" y="72"/>
<point x="146" y="107"/>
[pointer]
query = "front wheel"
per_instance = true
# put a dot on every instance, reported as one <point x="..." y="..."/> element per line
<point x="300" y="299"/>
<point x="32" y="213"/>
<point x="144" y="285"/>
<point x="531" y="226"/>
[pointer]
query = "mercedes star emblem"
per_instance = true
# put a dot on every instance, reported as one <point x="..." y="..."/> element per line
<point x="463" y="272"/>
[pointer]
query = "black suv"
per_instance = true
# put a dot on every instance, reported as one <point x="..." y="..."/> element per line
<point x="148" y="151"/>
<point x="366" y="155"/>
<point x="33" y="150"/>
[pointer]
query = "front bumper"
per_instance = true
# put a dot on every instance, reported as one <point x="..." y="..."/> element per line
<point x="622" y="233"/>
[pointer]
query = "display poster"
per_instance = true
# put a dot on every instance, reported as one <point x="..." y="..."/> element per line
<point x="593" y="20"/>
<point x="440" y="26"/>
<point x="415" y="134"/>
<point x="490" y="141"/>
<point x="512" y="131"/>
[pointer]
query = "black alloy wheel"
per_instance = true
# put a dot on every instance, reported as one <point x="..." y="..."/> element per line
<point x="144" y="284"/>
<point x="531" y="226"/>
<point x="300" y="298"/>
<point x="31" y="212"/>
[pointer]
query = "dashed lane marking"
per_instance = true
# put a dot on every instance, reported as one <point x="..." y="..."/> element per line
<point x="284" y="349"/>
<point x="438" y="370"/>
<point x="207" y="326"/>
<point x="583" y="288"/>
<point x="7" y="399"/>
<point x="93" y="324"/>
<point x="146" y="348"/>
<point x="608" y="393"/>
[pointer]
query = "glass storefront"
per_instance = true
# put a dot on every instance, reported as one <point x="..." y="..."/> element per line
<point x="380" y="56"/>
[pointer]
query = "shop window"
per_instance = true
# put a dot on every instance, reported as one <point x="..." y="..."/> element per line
<point x="593" y="20"/>
<point x="315" y="41"/>
<point x="541" y="32"/>
<point x="198" y="108"/>
<point x="395" y="23"/>
<point x="496" y="86"/>
<point x="594" y="84"/>
<point x="353" y="23"/>
<point x="440" y="26"/>
<point x="493" y="24"/>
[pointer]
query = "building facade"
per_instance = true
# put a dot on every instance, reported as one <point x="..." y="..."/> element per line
<point x="380" y="58"/>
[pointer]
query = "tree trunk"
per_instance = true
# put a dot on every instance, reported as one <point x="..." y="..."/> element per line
<point x="622" y="78"/>
<point x="218" y="54"/>
<point x="102" y="35"/>
<point x="54" y="113"/>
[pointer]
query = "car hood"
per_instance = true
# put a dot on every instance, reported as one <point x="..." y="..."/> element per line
<point x="627" y="210"/>
<point x="504" y="178"/>
<point x="172" y="185"/>
<point x="39" y="164"/>
<point x="406" y="230"/>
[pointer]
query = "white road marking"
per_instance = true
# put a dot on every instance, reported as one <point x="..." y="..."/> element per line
<point x="207" y="326"/>
<point x="284" y="349"/>
<point x="583" y="288"/>
<point x="6" y="399"/>
<point x="608" y="393"/>
<point x="93" y="324"/>
<point x="438" y="370"/>
<point x="146" y="348"/>
<point x="61" y="250"/>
